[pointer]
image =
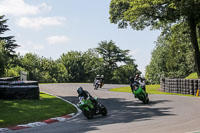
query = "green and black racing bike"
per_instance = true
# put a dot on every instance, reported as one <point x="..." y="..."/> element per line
<point x="89" y="108"/>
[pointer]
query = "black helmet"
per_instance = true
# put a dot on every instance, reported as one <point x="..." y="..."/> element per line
<point x="80" y="90"/>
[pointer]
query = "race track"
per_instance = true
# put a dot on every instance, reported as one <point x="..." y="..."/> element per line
<point x="164" y="113"/>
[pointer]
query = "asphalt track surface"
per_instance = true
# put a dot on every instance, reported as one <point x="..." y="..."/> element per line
<point x="164" y="113"/>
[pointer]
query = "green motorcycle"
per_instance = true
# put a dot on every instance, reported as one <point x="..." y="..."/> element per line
<point x="89" y="109"/>
<point x="141" y="94"/>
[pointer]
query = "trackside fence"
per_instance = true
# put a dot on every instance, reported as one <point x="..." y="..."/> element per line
<point x="181" y="86"/>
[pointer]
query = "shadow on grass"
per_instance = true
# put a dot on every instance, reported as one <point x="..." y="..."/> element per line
<point x="120" y="111"/>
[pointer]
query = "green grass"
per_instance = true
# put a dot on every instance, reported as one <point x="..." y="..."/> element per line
<point x="192" y="76"/>
<point x="14" y="112"/>
<point x="151" y="89"/>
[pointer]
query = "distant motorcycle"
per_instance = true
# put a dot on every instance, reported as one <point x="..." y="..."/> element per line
<point x="101" y="83"/>
<point x="89" y="109"/>
<point x="140" y="94"/>
<point x="98" y="84"/>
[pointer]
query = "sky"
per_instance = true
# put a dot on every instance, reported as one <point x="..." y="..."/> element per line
<point x="50" y="28"/>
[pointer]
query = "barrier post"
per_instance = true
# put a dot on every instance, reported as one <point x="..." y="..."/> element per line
<point x="197" y="93"/>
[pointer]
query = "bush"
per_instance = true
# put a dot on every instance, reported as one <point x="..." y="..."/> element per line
<point x="192" y="76"/>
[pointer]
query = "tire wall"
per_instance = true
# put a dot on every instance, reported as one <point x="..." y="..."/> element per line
<point x="181" y="86"/>
<point x="18" y="89"/>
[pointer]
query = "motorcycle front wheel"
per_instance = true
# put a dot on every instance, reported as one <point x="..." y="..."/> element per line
<point x="96" y="87"/>
<point x="103" y="110"/>
<point x="88" y="114"/>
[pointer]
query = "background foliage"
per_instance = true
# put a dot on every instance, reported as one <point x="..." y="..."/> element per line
<point x="73" y="66"/>
<point x="176" y="53"/>
<point x="177" y="49"/>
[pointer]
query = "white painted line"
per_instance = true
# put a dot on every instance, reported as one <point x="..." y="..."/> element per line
<point x="4" y="129"/>
<point x="194" y="131"/>
<point x="59" y="118"/>
<point x="36" y="124"/>
<point x="79" y="111"/>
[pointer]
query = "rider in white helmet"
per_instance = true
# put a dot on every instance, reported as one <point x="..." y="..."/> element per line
<point x="96" y="78"/>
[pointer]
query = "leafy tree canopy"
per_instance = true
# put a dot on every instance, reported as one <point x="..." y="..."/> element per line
<point x="158" y="14"/>
<point x="10" y="44"/>
<point x="112" y="54"/>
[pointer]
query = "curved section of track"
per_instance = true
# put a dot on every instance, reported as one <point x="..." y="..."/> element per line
<point x="164" y="113"/>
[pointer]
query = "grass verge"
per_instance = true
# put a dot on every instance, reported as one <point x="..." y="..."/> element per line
<point x="14" y="112"/>
<point x="151" y="89"/>
<point x="192" y="76"/>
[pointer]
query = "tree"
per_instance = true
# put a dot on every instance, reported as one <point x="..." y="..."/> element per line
<point x="158" y="14"/>
<point x="93" y="65"/>
<point x="31" y="63"/>
<point x="122" y="74"/>
<point x="112" y="55"/>
<point x="58" y="71"/>
<point x="10" y="44"/>
<point x="172" y="56"/>
<point x="74" y="65"/>
<point x="7" y="46"/>
<point x="3" y="58"/>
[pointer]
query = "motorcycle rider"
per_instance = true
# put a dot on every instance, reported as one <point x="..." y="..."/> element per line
<point x="102" y="80"/>
<point x="137" y="78"/>
<point x="86" y="95"/>
<point x="133" y="84"/>
<point x="141" y="81"/>
<point x="97" y="78"/>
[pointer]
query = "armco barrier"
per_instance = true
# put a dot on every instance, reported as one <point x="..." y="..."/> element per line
<point x="10" y="89"/>
<point x="181" y="86"/>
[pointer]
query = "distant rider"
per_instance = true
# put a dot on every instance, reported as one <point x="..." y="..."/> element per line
<point x="102" y="80"/>
<point x="97" y="78"/>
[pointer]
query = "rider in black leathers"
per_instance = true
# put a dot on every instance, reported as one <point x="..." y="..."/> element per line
<point x="141" y="81"/>
<point x="86" y="95"/>
<point x="102" y="79"/>
<point x="135" y="82"/>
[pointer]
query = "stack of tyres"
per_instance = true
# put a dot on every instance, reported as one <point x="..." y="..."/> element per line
<point x="191" y="86"/>
<point x="187" y="88"/>
<point x="162" y="84"/>
<point x="19" y="90"/>
<point x="23" y="90"/>
<point x="199" y="84"/>
<point x="170" y="85"/>
<point x="175" y="85"/>
<point x="182" y="86"/>
<point x="166" y="85"/>
<point x="195" y="86"/>
<point x="3" y="86"/>
<point x="179" y="86"/>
